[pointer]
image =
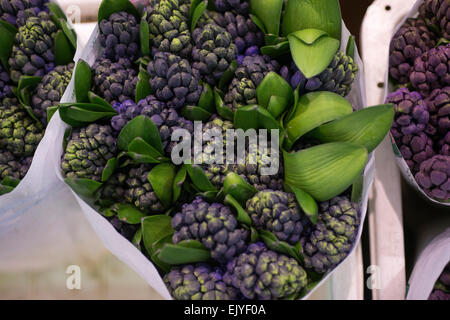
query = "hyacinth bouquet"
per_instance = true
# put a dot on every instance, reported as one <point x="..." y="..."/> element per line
<point x="36" y="63"/>
<point x="420" y="92"/>
<point x="178" y="86"/>
<point x="441" y="289"/>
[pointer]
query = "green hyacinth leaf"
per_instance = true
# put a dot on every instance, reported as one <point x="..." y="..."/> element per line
<point x="142" y="127"/>
<point x="276" y="50"/>
<point x="292" y="297"/>
<point x="24" y="91"/>
<point x="192" y="7"/>
<point x="157" y="246"/>
<point x="221" y="108"/>
<point x="188" y="251"/>
<point x="79" y="114"/>
<point x="110" y="168"/>
<point x="351" y="47"/>
<point x="5" y="189"/>
<point x="107" y="208"/>
<point x="307" y="203"/>
<point x="196" y="114"/>
<point x="254" y="235"/>
<point x="442" y="287"/>
<point x="28" y="81"/>
<point x="238" y="188"/>
<point x="65" y="140"/>
<point x="312" y="14"/>
<point x="84" y="187"/>
<point x="274" y="244"/>
<point x="242" y="215"/>
<point x="8" y="26"/>
<point x="155" y="228"/>
<point x="272" y="39"/>
<point x="105" y="108"/>
<point x="357" y="189"/>
<point x="366" y="127"/>
<point x="227" y="76"/>
<point x="142" y="152"/>
<point x="199" y="178"/>
<point x="197" y="14"/>
<point x="64" y="51"/>
<point x="55" y="9"/>
<point x="274" y="94"/>
<point x="210" y="196"/>
<point x="69" y="33"/>
<point x="258" y="23"/>
<point x="194" y="244"/>
<point x="206" y="101"/>
<point x="269" y="13"/>
<point x="312" y="50"/>
<point x="161" y="178"/>
<point x="325" y="171"/>
<point x="7" y="39"/>
<point x="143" y="88"/>
<point x="137" y="239"/>
<point x="10" y="182"/>
<point x="254" y="117"/>
<point x="129" y="213"/>
<point x="144" y="36"/>
<point x="50" y="112"/>
<point x="95" y="99"/>
<point x="313" y="110"/>
<point x="108" y="7"/>
<point x="290" y="114"/>
<point x="83" y="75"/>
<point x="277" y="105"/>
<point x="178" y="182"/>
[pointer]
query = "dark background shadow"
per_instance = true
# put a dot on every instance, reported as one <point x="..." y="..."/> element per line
<point x="353" y="12"/>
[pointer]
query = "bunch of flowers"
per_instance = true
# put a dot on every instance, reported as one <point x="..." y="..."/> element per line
<point x="35" y="68"/>
<point x="180" y="86"/>
<point x="419" y="66"/>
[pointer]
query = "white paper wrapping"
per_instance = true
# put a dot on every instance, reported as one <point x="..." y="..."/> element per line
<point x="406" y="172"/>
<point x="40" y="221"/>
<point x="121" y="247"/>
<point x="429" y="267"/>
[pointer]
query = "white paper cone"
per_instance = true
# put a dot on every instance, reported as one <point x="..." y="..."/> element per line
<point x="40" y="220"/>
<point x="429" y="267"/>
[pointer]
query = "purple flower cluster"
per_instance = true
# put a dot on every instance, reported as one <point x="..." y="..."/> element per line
<point x="434" y="177"/>
<point x="410" y="42"/>
<point x="16" y="12"/>
<point x="421" y="132"/>
<point x="214" y="225"/>
<point x="119" y="35"/>
<point x="5" y="82"/>
<point x="421" y="127"/>
<point x="431" y="70"/>
<point x="198" y="282"/>
<point x="409" y="128"/>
